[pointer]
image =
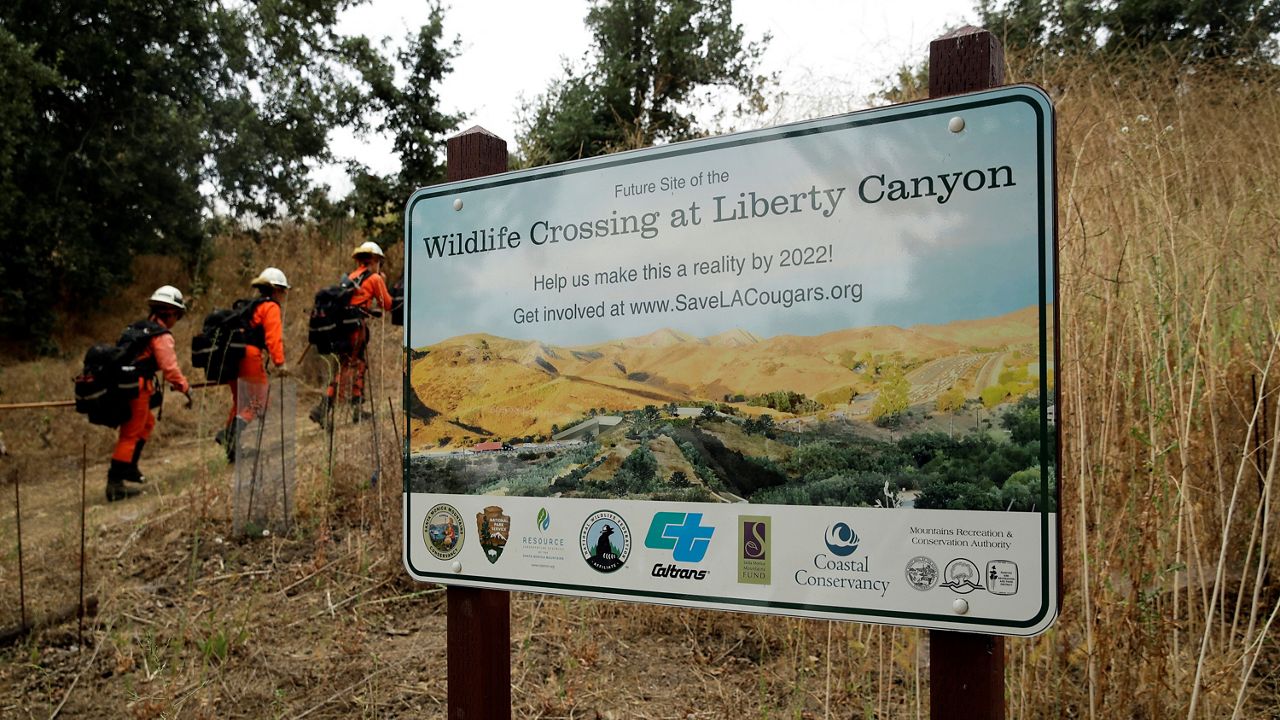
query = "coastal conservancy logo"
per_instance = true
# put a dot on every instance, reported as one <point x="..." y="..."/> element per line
<point x="753" y="550"/>
<point x="687" y="539"/>
<point x="442" y="529"/>
<point x="493" y="528"/>
<point x="842" y="540"/>
<point x="922" y="573"/>
<point x="839" y="570"/>
<point x="605" y="541"/>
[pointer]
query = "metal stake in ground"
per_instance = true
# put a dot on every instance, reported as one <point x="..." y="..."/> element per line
<point x="377" y="456"/>
<point x="330" y="414"/>
<point x="257" y="453"/>
<point x="284" y="470"/>
<point x="22" y="578"/>
<point x="84" y="481"/>
<point x="966" y="670"/>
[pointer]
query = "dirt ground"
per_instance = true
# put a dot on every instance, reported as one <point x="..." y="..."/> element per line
<point x="324" y="622"/>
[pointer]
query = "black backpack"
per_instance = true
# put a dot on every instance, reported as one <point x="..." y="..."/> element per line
<point x="109" y="379"/>
<point x="219" y="346"/>
<point x="397" y="304"/>
<point x="333" y="318"/>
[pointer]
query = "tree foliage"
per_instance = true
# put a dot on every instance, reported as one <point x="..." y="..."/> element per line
<point x="126" y="125"/>
<point x="1194" y="29"/>
<point x="654" y="63"/>
<point x="892" y="397"/>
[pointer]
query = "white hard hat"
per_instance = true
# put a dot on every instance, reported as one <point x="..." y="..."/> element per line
<point x="168" y="295"/>
<point x="271" y="276"/>
<point x="368" y="248"/>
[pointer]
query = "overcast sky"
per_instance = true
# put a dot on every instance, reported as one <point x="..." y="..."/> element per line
<point x="822" y="49"/>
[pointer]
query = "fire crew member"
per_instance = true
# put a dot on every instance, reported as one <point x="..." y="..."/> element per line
<point x="265" y="334"/>
<point x="352" y="365"/>
<point x="166" y="309"/>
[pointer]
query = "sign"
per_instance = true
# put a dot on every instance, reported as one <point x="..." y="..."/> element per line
<point x="806" y="370"/>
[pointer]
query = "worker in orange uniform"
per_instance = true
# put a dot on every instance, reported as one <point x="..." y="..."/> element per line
<point x="265" y="334"/>
<point x="166" y="309"/>
<point x="371" y="288"/>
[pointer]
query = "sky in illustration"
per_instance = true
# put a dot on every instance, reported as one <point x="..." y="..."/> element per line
<point x="916" y="260"/>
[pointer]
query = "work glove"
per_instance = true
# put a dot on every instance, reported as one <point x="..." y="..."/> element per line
<point x="282" y="370"/>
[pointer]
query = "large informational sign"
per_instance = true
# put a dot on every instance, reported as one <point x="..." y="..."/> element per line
<point x="806" y="370"/>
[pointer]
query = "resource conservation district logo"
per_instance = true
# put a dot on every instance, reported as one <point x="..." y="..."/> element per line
<point x="442" y="529"/>
<point x="493" y="528"/>
<point x="605" y="541"/>
<point x="842" y="540"/>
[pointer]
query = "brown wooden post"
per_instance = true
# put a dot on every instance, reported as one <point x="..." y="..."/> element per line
<point x="966" y="670"/>
<point x="479" y="621"/>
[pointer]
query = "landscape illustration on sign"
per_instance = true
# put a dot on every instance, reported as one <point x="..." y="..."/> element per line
<point x="843" y="315"/>
<point x="930" y="416"/>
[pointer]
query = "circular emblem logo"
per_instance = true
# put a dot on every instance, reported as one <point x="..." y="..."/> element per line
<point x="922" y="573"/>
<point x="962" y="576"/>
<point x="605" y="541"/>
<point x="443" y="531"/>
<point x="842" y="540"/>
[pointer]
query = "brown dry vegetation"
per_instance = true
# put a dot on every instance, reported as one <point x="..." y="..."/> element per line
<point x="1170" y="312"/>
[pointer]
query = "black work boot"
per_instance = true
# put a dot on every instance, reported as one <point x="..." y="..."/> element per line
<point x="230" y="436"/>
<point x="320" y="413"/>
<point x="116" y="489"/>
<point x="134" y="475"/>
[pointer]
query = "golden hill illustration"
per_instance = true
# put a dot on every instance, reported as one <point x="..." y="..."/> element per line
<point x="485" y="386"/>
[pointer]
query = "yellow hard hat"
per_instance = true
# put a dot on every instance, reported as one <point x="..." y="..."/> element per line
<point x="368" y="248"/>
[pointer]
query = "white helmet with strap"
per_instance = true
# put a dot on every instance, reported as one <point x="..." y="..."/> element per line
<point x="271" y="276"/>
<point x="168" y="295"/>
<point x="368" y="248"/>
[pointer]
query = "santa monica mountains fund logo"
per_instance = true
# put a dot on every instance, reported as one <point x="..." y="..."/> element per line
<point x="605" y="541"/>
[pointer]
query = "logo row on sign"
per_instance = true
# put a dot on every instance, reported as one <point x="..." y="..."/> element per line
<point x="605" y="543"/>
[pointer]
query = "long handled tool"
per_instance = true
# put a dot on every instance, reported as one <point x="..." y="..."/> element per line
<point x="71" y="403"/>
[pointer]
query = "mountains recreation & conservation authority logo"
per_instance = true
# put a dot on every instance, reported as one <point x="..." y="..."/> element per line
<point x="605" y="541"/>
<point x="442" y="529"/>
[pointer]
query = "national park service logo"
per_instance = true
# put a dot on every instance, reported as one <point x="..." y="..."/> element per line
<point x="494" y="528"/>
<point x="605" y="541"/>
<point x="443" y="531"/>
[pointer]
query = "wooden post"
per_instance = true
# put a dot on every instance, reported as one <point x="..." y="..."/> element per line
<point x="479" y="621"/>
<point x="966" y="670"/>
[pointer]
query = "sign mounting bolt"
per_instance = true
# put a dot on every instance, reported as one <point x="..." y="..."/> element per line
<point x="457" y="202"/>
<point x="456" y="567"/>
<point x="960" y="605"/>
<point x="955" y="125"/>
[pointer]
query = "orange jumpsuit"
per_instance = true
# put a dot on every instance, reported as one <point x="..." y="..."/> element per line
<point x="253" y="372"/>
<point x="352" y="365"/>
<point x="141" y="422"/>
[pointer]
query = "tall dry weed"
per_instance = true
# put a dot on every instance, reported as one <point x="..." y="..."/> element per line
<point x="1170" y="306"/>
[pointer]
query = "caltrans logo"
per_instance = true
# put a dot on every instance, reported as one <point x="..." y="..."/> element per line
<point x="687" y="539"/>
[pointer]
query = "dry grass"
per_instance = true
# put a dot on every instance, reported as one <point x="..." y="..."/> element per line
<point x="1170" y="254"/>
